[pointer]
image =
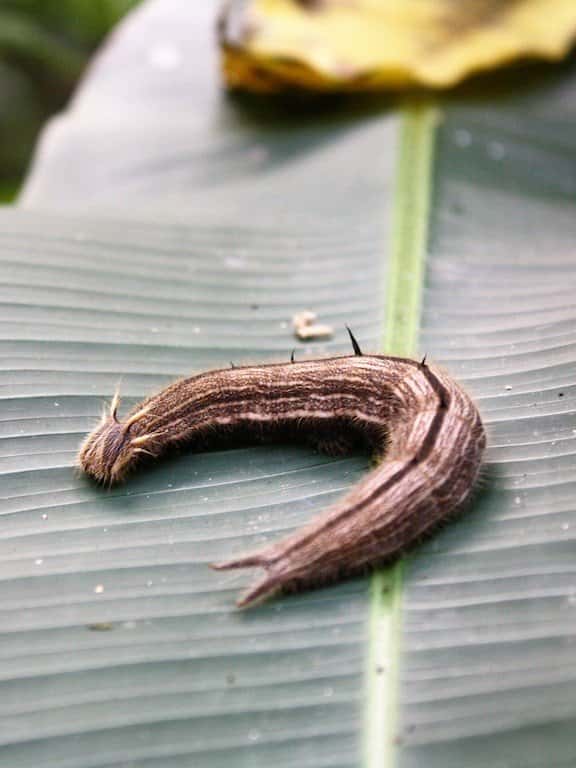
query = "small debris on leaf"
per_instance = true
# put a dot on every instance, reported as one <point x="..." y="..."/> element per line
<point x="306" y="327"/>
<point x="102" y="626"/>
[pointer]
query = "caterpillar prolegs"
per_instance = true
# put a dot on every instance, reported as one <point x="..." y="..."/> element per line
<point x="425" y="430"/>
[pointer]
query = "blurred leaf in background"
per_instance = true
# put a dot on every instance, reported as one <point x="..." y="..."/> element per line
<point x="366" y="45"/>
<point x="44" y="47"/>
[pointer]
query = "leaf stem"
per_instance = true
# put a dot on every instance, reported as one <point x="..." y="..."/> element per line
<point x="403" y="307"/>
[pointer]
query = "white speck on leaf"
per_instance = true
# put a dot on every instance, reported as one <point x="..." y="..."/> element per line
<point x="165" y="56"/>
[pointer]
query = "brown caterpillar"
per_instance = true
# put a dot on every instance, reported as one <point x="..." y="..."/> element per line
<point x="424" y="426"/>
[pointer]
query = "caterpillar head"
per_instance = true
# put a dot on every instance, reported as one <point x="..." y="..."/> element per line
<point x="110" y="451"/>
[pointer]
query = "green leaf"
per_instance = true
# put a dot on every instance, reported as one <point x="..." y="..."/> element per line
<point x="167" y="229"/>
<point x="488" y="660"/>
<point x="25" y="38"/>
<point x="204" y="227"/>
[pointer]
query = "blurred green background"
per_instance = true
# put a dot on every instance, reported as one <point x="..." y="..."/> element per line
<point x="44" y="48"/>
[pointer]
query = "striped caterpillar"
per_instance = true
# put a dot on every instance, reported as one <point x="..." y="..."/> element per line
<point x="424" y="427"/>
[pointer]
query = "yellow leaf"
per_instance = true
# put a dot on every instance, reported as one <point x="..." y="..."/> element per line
<point x="268" y="45"/>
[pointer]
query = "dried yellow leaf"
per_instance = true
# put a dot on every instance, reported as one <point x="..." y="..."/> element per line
<point x="269" y="45"/>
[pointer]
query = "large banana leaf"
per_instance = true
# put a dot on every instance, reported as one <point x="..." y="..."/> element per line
<point x="164" y="230"/>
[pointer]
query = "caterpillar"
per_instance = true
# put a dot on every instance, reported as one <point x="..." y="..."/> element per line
<point x="424" y="429"/>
